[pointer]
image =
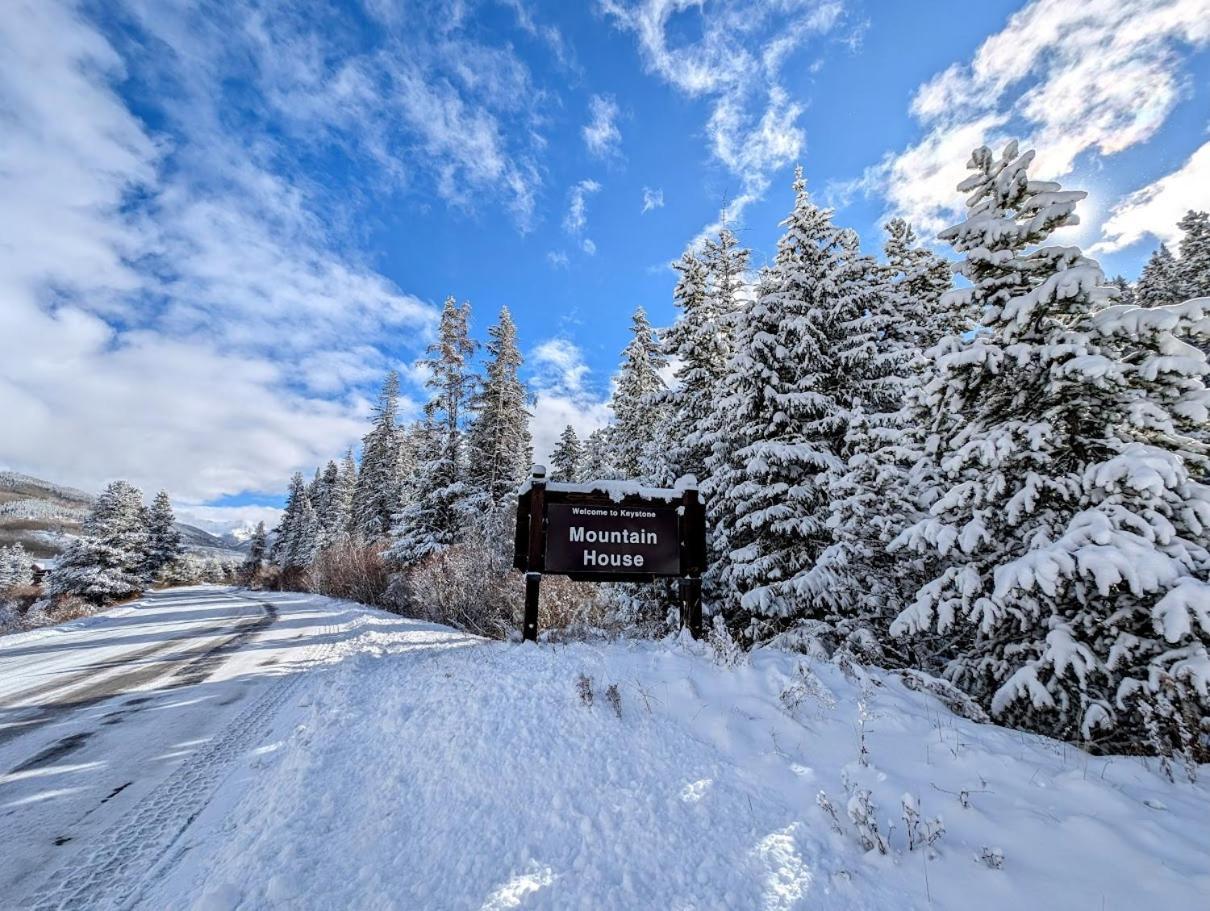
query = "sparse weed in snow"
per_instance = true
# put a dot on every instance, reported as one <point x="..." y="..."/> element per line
<point x="863" y="814"/>
<point x="807" y="686"/>
<point x="614" y="697"/>
<point x="584" y="689"/>
<point x="992" y="858"/>
<point x="723" y="647"/>
<point x="920" y="833"/>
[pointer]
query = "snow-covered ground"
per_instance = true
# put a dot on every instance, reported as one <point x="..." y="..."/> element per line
<point x="344" y="758"/>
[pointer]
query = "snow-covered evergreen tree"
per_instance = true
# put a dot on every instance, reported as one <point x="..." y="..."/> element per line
<point x="806" y="352"/>
<point x="598" y="462"/>
<point x="378" y="491"/>
<point x="107" y="561"/>
<point x="163" y="538"/>
<point x="340" y="508"/>
<point x="437" y="512"/>
<point x="258" y="551"/>
<point x="707" y="294"/>
<point x="16" y="567"/>
<point x="567" y="458"/>
<point x="1193" y="268"/>
<point x="1159" y="283"/>
<point x="1068" y="523"/>
<point x="636" y="399"/>
<point x="1125" y="291"/>
<point x="299" y="531"/>
<point x="914" y="280"/>
<point x="499" y="447"/>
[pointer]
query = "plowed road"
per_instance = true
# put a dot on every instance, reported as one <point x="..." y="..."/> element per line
<point x="116" y="730"/>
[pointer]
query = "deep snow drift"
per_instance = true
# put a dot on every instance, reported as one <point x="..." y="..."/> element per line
<point x="422" y="768"/>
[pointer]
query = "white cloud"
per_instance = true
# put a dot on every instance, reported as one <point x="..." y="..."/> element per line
<point x="1072" y="76"/>
<point x="601" y="133"/>
<point x="557" y="259"/>
<point x="561" y="396"/>
<point x="173" y="311"/>
<point x="735" y="61"/>
<point x="652" y="199"/>
<point x="1155" y="209"/>
<point x="576" y="219"/>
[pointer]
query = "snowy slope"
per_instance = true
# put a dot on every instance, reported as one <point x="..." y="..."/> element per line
<point x="46" y="517"/>
<point x="428" y="769"/>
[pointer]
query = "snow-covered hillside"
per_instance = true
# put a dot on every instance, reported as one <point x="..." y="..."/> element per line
<point x="45" y="518"/>
<point x="423" y="768"/>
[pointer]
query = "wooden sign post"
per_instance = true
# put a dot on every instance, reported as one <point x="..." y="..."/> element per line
<point x="610" y="531"/>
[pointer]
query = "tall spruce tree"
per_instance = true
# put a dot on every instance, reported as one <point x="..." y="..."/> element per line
<point x="636" y="400"/>
<point x="437" y="513"/>
<point x="163" y="538"/>
<point x="1159" y="283"/>
<point x="258" y="551"/>
<point x="108" y="560"/>
<point x="1193" y="268"/>
<point x="499" y="447"/>
<point x="379" y="488"/>
<point x="598" y="462"/>
<point x="803" y="353"/>
<point x="1068" y="526"/>
<point x="707" y="295"/>
<point x="299" y="531"/>
<point x="567" y="457"/>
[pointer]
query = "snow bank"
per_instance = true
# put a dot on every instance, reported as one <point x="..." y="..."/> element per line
<point x="429" y="769"/>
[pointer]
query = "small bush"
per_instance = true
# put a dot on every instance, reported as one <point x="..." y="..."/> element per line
<point x="353" y="572"/>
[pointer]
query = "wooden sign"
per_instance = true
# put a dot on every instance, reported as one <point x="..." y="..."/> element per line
<point x="610" y="531"/>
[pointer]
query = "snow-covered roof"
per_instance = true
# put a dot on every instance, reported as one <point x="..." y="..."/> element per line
<point x="619" y="490"/>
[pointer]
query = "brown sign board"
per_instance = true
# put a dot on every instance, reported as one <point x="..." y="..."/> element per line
<point x="610" y="531"/>
<point x="592" y="539"/>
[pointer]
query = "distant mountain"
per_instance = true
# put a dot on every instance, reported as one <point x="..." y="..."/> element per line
<point x="45" y="517"/>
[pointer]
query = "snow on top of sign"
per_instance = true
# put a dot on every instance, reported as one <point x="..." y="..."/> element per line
<point x="617" y="491"/>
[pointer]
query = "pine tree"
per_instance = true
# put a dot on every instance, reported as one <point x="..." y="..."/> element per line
<point x="163" y="538"/>
<point x="258" y="548"/>
<point x="805" y="354"/>
<point x="1158" y="285"/>
<point x="338" y="517"/>
<point x="499" y="447"/>
<point x="1125" y="291"/>
<point x="699" y="342"/>
<point x="636" y="400"/>
<point x="567" y="457"/>
<point x="1193" y="268"/>
<point x="914" y="280"/>
<point x="299" y="531"/>
<point x="16" y="567"/>
<point x="598" y="462"/>
<point x="1067" y="525"/>
<point x="107" y="561"/>
<point x="436" y="515"/>
<point x="379" y="488"/>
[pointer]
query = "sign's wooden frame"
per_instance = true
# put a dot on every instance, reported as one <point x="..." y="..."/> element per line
<point x="529" y="543"/>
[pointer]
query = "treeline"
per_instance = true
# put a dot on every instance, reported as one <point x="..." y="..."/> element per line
<point x="124" y="547"/>
<point x="1000" y="483"/>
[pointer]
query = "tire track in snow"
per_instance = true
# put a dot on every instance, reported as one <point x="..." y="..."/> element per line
<point x="114" y="873"/>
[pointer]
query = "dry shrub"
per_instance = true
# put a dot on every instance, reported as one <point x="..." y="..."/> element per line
<point x="459" y="587"/>
<point x="351" y="571"/>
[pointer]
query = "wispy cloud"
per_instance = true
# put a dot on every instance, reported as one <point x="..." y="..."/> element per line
<point x="575" y="222"/>
<point x="184" y="294"/>
<point x="736" y="63"/>
<point x="1071" y="76"/>
<point x="557" y="259"/>
<point x="1155" y="209"/>
<point x="601" y="133"/>
<point x="562" y="395"/>
<point x="652" y="199"/>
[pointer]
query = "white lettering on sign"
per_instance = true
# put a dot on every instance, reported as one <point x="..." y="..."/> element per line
<point x="619" y="561"/>
<point x="579" y="534"/>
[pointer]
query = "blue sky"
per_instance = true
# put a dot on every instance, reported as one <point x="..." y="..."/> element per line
<point x="229" y="219"/>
